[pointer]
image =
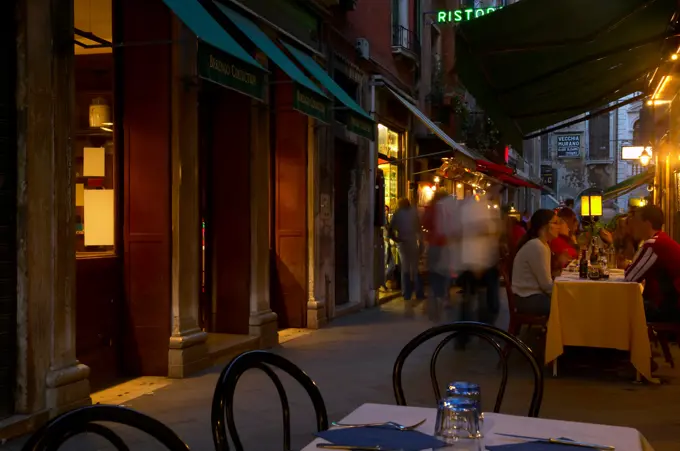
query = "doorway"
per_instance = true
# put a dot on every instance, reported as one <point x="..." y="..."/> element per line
<point x="8" y="209"/>
<point x="345" y="163"/>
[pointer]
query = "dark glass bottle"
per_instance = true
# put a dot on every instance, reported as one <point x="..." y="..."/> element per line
<point x="583" y="266"/>
<point x="594" y="256"/>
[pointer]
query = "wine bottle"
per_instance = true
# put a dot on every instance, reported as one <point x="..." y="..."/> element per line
<point x="583" y="266"/>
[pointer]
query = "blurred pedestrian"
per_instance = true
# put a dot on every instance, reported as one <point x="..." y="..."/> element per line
<point x="405" y="231"/>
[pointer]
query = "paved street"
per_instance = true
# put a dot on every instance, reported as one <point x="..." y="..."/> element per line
<point x="351" y="361"/>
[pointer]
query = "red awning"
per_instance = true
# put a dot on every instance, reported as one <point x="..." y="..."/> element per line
<point x="493" y="168"/>
<point x="517" y="181"/>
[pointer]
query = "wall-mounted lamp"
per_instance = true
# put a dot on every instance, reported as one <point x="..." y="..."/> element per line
<point x="436" y="179"/>
<point x="645" y="158"/>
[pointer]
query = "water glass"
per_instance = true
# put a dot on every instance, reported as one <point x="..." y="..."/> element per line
<point x="458" y="423"/>
<point x="467" y="390"/>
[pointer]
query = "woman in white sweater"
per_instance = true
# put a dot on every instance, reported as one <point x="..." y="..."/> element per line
<point x="531" y="276"/>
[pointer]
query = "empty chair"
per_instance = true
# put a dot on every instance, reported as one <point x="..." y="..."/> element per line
<point x="51" y="436"/>
<point x="223" y="399"/>
<point x="494" y="336"/>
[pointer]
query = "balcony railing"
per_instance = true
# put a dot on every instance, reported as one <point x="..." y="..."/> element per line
<point x="405" y="39"/>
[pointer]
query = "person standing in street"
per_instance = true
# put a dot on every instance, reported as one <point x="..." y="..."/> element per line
<point x="405" y="231"/>
<point x="439" y="259"/>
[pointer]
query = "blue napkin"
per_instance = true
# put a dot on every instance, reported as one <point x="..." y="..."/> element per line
<point x="534" y="446"/>
<point x="382" y="436"/>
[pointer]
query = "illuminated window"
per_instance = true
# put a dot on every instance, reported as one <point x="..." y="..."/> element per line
<point x="94" y="157"/>
<point x="389" y="149"/>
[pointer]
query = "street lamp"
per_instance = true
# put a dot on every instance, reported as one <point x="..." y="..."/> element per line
<point x="645" y="158"/>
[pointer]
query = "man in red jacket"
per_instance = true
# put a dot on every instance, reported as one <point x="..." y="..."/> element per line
<point x="658" y="264"/>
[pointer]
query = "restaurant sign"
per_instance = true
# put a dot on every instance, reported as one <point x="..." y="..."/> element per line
<point x="463" y="14"/>
<point x="548" y="176"/>
<point x="225" y="70"/>
<point x="310" y="103"/>
<point x="569" y="145"/>
<point x="361" y="126"/>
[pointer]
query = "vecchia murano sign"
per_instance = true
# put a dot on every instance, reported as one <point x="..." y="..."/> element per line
<point x="464" y="14"/>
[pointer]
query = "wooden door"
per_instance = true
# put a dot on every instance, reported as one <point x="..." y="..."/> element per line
<point x="289" y="268"/>
<point x="8" y="210"/>
<point x="345" y="155"/>
<point x="228" y="224"/>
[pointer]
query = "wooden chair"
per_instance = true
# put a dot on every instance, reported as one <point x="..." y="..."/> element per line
<point x="84" y="420"/>
<point x="517" y="320"/>
<point x="490" y="334"/>
<point x="223" y="398"/>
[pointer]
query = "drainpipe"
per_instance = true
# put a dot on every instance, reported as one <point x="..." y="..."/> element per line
<point x="373" y="243"/>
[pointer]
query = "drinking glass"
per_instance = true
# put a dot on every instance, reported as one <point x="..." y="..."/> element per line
<point x="458" y="423"/>
<point x="468" y="390"/>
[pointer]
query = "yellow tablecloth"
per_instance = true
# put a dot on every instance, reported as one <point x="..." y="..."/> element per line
<point x="598" y="314"/>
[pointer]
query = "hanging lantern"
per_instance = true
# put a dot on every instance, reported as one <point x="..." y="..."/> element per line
<point x="645" y="158"/>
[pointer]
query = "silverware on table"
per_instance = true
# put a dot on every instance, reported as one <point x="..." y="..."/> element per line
<point x="558" y="441"/>
<point x="391" y="424"/>
<point x="354" y="448"/>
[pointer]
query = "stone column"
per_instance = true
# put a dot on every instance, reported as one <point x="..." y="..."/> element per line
<point x="318" y="208"/>
<point x="49" y="377"/>
<point x="263" y="321"/>
<point x="188" y="352"/>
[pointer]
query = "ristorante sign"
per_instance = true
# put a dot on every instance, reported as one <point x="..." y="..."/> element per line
<point x="463" y="14"/>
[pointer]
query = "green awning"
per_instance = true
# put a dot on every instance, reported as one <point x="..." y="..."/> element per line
<point x="536" y="63"/>
<point x="358" y="121"/>
<point x="629" y="185"/>
<point x="222" y="60"/>
<point x="308" y="98"/>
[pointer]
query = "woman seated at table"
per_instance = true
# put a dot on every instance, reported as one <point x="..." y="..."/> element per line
<point x="531" y="276"/>
<point x="565" y="246"/>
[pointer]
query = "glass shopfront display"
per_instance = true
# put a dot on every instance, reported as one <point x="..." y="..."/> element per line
<point x="389" y="155"/>
<point x="94" y="158"/>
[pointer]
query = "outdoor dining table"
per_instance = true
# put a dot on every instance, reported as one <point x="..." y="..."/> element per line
<point x="621" y="438"/>
<point x="599" y="314"/>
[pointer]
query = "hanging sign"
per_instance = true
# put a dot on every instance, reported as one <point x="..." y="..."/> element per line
<point x="548" y="176"/>
<point x="463" y="14"/>
<point x="569" y="145"/>
<point x="218" y="67"/>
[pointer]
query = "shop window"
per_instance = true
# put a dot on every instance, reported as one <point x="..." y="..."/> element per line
<point x="389" y="150"/>
<point x="94" y="159"/>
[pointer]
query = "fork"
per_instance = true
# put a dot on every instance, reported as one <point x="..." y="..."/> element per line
<point x="397" y="426"/>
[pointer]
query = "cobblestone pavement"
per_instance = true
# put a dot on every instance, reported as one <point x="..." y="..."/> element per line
<point x="351" y="361"/>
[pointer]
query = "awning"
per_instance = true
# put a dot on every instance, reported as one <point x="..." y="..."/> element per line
<point x="629" y="185"/>
<point x="490" y="166"/>
<point x="433" y="127"/>
<point x="307" y="97"/>
<point x="220" y="58"/>
<point x="517" y="181"/>
<point x="559" y="59"/>
<point x="358" y="121"/>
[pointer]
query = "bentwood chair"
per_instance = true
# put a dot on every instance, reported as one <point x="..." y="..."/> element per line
<point x="494" y="336"/>
<point x="84" y="420"/>
<point x="223" y="399"/>
<point x="517" y="320"/>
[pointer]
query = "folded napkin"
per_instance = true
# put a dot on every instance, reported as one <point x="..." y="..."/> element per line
<point x="385" y="437"/>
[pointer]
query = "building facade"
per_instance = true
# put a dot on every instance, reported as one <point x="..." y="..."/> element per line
<point x="173" y="199"/>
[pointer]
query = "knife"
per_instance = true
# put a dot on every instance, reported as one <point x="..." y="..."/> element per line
<point x="354" y="448"/>
<point x="558" y="441"/>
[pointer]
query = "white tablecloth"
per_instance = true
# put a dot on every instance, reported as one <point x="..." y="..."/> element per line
<point x="623" y="439"/>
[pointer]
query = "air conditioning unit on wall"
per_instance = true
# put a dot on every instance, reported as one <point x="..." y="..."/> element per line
<point x="362" y="48"/>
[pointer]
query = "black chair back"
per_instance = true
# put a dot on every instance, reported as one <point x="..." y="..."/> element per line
<point x="488" y="333"/>
<point x="223" y="399"/>
<point x="51" y="436"/>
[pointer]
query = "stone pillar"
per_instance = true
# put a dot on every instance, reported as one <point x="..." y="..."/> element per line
<point x="318" y="208"/>
<point x="188" y="351"/>
<point x="50" y="379"/>
<point x="263" y="321"/>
